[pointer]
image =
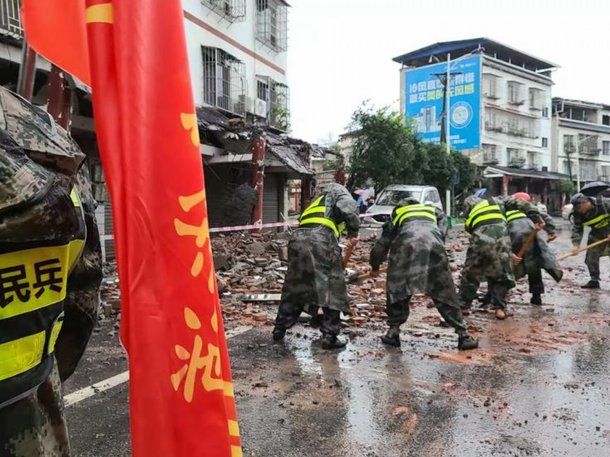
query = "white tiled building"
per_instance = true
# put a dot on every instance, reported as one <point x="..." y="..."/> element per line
<point x="237" y="54"/>
<point x="515" y="125"/>
<point x="581" y="139"/>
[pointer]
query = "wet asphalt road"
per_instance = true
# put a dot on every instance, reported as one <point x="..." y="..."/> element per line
<point x="539" y="385"/>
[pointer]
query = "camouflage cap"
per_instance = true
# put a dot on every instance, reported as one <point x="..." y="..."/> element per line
<point x="34" y="131"/>
<point x="470" y="202"/>
<point x="578" y="198"/>
<point x="21" y="179"/>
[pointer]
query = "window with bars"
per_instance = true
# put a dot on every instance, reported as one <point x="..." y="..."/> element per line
<point x="231" y="10"/>
<point x="223" y="81"/>
<point x="272" y="24"/>
<point x="277" y="97"/>
<point x="10" y="18"/>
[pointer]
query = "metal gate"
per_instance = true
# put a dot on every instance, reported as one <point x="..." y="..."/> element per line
<point x="271" y="199"/>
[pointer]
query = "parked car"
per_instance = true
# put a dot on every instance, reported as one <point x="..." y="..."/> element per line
<point x="567" y="212"/>
<point x="388" y="198"/>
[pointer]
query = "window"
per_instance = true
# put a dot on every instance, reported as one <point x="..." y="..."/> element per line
<point x="272" y="24"/>
<point x="605" y="119"/>
<point x="531" y="159"/>
<point x="514" y="157"/>
<point x="231" y="10"/>
<point x="223" y="81"/>
<point x="276" y="97"/>
<point x="568" y="144"/>
<point x="606" y="148"/>
<point x="10" y="18"/>
<point x="431" y="196"/>
<point x="535" y="96"/>
<point x="545" y="142"/>
<point x="490" y="154"/>
<point x="490" y="86"/>
<point x="545" y="112"/>
<point x="514" y="93"/>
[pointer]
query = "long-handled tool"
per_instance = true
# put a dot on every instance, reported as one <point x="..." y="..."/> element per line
<point x="356" y="277"/>
<point x="528" y="243"/>
<point x="348" y="253"/>
<point x="592" y="245"/>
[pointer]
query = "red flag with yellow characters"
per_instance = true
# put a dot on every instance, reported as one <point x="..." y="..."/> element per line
<point x="181" y="393"/>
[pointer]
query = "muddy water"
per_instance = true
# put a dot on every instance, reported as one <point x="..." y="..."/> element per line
<point x="539" y="384"/>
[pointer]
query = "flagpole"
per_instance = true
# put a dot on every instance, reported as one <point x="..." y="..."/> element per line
<point x="447" y="130"/>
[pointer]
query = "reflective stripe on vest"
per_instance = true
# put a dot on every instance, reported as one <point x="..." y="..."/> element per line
<point x="414" y="212"/>
<point x="598" y="222"/>
<point x="512" y="215"/>
<point x="33" y="283"/>
<point x="314" y="215"/>
<point x="483" y="212"/>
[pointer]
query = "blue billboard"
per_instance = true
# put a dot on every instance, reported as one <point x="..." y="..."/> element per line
<point x="424" y="101"/>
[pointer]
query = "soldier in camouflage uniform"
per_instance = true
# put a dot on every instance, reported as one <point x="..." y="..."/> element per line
<point x="315" y="276"/>
<point x="489" y="254"/>
<point x="538" y="256"/>
<point x="592" y="212"/>
<point x="50" y="272"/>
<point x="417" y="263"/>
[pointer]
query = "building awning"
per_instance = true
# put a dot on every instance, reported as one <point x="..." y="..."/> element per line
<point x="228" y="140"/>
<point x="498" y="172"/>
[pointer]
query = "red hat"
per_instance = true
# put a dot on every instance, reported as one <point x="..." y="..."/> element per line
<point x="522" y="196"/>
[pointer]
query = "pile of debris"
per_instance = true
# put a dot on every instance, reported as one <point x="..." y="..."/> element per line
<point x="250" y="268"/>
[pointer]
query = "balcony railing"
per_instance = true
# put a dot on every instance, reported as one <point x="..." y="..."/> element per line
<point x="10" y="18"/>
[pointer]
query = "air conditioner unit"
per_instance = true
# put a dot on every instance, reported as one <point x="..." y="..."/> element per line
<point x="260" y="107"/>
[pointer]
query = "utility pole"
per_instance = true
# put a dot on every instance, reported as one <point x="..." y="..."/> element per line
<point x="445" y="79"/>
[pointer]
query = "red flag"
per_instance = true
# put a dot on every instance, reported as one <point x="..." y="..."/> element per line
<point x="56" y="29"/>
<point x="181" y="392"/>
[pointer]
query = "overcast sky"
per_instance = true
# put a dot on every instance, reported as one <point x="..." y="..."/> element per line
<point x="340" y="51"/>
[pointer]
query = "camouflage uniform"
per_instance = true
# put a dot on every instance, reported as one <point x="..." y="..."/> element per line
<point x="38" y="166"/>
<point x="489" y="253"/>
<point x="417" y="263"/>
<point x="315" y="276"/>
<point x="537" y="257"/>
<point x="601" y="207"/>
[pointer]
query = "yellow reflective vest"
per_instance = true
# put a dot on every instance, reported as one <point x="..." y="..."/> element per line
<point x="514" y="215"/>
<point x="314" y="215"/>
<point x="484" y="213"/>
<point x="33" y="286"/>
<point x="598" y="222"/>
<point x="415" y="212"/>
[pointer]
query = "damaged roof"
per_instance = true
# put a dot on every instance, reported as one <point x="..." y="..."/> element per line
<point x="235" y="135"/>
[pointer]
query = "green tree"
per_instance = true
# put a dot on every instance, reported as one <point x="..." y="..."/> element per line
<point x="387" y="150"/>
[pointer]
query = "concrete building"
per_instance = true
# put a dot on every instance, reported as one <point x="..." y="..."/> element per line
<point x="515" y="101"/>
<point x="581" y="140"/>
<point x="237" y="55"/>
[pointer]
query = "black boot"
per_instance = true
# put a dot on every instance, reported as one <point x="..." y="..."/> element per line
<point x="466" y="342"/>
<point x="465" y="306"/>
<point x="332" y="342"/>
<point x="536" y="299"/>
<point x="486" y="300"/>
<point x="316" y="321"/>
<point x="392" y="337"/>
<point x="278" y="334"/>
<point x="592" y="284"/>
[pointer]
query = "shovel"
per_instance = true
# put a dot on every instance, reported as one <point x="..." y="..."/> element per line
<point x="528" y="243"/>
<point x="592" y="245"/>
<point x="356" y="277"/>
